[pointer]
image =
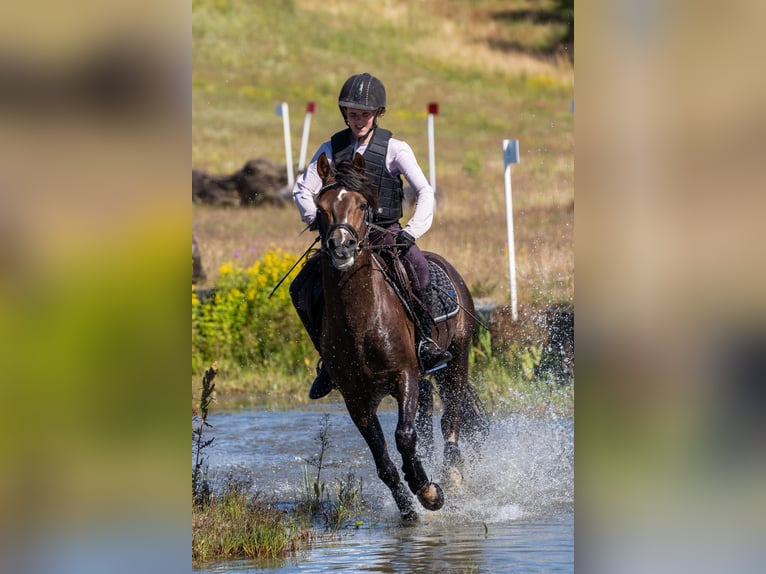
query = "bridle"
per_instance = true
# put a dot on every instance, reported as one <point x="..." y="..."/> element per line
<point x="346" y="226"/>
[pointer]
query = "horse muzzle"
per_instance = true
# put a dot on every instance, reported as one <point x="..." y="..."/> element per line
<point x="342" y="259"/>
<point x="342" y="248"/>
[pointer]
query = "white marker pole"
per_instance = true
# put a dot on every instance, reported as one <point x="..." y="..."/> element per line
<point x="305" y="140"/>
<point x="511" y="155"/>
<point x="433" y="109"/>
<point x="283" y="111"/>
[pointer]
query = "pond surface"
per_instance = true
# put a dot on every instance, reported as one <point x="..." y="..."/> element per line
<point x="514" y="512"/>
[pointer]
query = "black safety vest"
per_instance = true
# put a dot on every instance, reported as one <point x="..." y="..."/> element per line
<point x="390" y="188"/>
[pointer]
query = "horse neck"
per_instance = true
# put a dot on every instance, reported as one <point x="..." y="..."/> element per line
<point x="354" y="286"/>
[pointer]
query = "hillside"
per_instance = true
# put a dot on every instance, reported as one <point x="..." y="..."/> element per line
<point x="497" y="69"/>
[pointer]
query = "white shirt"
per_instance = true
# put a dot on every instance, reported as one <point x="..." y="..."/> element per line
<point x="400" y="160"/>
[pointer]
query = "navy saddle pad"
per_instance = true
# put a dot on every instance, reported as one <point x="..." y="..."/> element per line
<point x="445" y="297"/>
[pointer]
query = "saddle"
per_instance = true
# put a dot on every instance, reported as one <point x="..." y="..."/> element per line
<point x="444" y="305"/>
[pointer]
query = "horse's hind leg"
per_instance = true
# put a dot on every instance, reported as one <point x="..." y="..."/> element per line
<point x="452" y="382"/>
<point x="424" y="422"/>
<point x="474" y="419"/>
<point x="369" y="426"/>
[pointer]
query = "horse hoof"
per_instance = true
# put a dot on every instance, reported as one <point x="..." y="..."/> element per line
<point x="431" y="496"/>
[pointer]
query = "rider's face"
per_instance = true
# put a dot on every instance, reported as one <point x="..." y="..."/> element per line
<point x="360" y="122"/>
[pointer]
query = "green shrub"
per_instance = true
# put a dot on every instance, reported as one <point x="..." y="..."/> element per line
<point x="241" y="328"/>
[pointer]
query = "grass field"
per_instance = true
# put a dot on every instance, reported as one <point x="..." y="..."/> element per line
<point x="494" y="69"/>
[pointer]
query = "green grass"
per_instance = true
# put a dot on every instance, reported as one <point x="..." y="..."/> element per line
<point x="238" y="524"/>
<point x="251" y="55"/>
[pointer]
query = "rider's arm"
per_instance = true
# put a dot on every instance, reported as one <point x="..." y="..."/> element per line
<point x="400" y="159"/>
<point x="308" y="185"/>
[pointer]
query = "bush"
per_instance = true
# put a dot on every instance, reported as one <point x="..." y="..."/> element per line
<point x="240" y="327"/>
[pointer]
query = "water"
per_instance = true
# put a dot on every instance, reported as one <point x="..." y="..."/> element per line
<point x="514" y="513"/>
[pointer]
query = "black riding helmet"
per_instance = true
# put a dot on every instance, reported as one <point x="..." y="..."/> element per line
<point x="362" y="92"/>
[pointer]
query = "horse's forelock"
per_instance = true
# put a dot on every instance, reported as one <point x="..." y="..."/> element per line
<point x="347" y="176"/>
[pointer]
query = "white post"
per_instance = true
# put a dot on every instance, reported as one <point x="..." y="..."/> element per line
<point x="284" y="111"/>
<point x="511" y="155"/>
<point x="305" y="140"/>
<point x="433" y="109"/>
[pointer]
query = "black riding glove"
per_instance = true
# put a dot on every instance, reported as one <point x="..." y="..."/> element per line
<point x="404" y="241"/>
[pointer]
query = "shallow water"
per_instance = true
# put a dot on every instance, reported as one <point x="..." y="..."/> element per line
<point x="514" y="512"/>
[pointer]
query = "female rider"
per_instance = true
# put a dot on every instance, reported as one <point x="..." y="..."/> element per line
<point x="362" y="100"/>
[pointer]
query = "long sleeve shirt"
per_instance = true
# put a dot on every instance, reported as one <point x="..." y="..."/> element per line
<point x="400" y="160"/>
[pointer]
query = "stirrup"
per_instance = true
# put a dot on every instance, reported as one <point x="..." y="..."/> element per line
<point x="441" y="361"/>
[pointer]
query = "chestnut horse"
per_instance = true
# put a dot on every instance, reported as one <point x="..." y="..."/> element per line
<point x="368" y="339"/>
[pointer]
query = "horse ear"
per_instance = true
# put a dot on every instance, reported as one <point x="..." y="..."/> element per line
<point x="323" y="166"/>
<point x="359" y="163"/>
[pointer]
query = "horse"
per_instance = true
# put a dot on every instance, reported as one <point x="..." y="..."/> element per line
<point x="368" y="340"/>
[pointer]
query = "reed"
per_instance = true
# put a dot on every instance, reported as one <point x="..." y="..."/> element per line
<point x="239" y="524"/>
<point x="200" y="478"/>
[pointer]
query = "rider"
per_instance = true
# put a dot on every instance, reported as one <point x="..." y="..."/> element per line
<point x="362" y="101"/>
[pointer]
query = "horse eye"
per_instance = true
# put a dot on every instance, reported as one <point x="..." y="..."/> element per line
<point x="363" y="207"/>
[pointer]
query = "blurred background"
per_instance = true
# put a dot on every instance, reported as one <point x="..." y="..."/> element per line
<point x="94" y="108"/>
<point x="94" y="211"/>
<point x="670" y="427"/>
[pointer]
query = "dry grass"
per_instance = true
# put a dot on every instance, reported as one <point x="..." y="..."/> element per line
<point x="474" y="240"/>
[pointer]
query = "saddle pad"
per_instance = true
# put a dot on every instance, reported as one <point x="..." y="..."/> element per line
<point x="445" y="296"/>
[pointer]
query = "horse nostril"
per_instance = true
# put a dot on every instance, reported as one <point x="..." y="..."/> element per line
<point x="332" y="243"/>
<point x="352" y="243"/>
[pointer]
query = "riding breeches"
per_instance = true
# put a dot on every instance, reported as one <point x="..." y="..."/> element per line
<point x="415" y="263"/>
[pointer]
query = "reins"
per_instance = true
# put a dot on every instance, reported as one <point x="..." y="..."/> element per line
<point x="286" y="275"/>
<point x="391" y="281"/>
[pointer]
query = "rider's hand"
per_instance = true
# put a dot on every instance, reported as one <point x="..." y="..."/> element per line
<point x="404" y="241"/>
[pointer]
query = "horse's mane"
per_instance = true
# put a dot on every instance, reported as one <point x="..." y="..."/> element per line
<point x="348" y="176"/>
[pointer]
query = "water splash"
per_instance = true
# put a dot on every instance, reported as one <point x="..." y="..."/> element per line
<point x="525" y="470"/>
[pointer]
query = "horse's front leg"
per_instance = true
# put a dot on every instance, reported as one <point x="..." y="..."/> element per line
<point x="429" y="493"/>
<point x="369" y="427"/>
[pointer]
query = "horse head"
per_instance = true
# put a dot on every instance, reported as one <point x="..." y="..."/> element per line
<point x="345" y="205"/>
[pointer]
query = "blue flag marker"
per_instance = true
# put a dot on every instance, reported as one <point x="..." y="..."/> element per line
<point x="511" y="151"/>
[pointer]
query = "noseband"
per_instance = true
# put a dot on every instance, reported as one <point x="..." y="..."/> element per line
<point x="347" y="227"/>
